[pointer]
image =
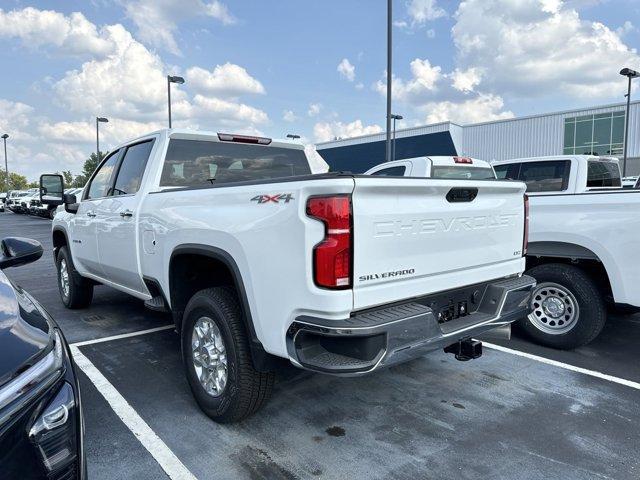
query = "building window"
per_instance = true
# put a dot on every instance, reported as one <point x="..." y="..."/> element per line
<point x="599" y="134"/>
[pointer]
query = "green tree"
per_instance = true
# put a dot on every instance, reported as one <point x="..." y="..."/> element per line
<point x="16" y="181"/>
<point x="68" y="178"/>
<point x="90" y="164"/>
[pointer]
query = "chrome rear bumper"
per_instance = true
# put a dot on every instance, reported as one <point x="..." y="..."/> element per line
<point x="389" y="335"/>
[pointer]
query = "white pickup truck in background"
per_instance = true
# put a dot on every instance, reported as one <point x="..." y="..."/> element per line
<point x="584" y="246"/>
<point x="461" y="168"/>
<point x="257" y="260"/>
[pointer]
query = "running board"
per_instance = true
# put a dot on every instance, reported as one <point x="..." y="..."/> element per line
<point x="156" y="304"/>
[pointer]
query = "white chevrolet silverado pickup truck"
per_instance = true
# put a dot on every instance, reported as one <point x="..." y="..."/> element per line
<point x="460" y="168"/>
<point x="257" y="260"/>
<point x="583" y="245"/>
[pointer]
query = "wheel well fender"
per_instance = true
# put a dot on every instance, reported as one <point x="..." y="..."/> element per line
<point x="193" y="267"/>
<point x="60" y="239"/>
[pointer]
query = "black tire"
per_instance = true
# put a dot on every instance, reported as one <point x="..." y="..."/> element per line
<point x="51" y="213"/>
<point x="80" y="291"/>
<point x="246" y="389"/>
<point x="591" y="312"/>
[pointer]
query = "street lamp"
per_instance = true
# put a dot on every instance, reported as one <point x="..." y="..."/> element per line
<point x="394" y="118"/>
<point x="630" y="74"/>
<point x="293" y="136"/>
<point x="99" y="120"/>
<point x="6" y="168"/>
<point x="389" y="77"/>
<point x="172" y="79"/>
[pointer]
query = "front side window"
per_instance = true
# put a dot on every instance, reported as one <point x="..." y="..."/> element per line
<point x="462" y="173"/>
<point x="102" y="180"/>
<point x="552" y="176"/>
<point x="391" y="171"/>
<point x="603" y="174"/>
<point x="195" y="163"/>
<point x="132" y="168"/>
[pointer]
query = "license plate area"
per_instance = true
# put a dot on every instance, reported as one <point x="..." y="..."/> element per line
<point x="455" y="304"/>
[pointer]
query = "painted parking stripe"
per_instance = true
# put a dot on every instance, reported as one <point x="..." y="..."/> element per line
<point x="555" y="363"/>
<point x="123" y="335"/>
<point x="167" y="460"/>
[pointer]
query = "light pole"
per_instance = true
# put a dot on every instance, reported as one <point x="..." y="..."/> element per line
<point x="99" y="120"/>
<point x="389" y="77"/>
<point x="6" y="168"/>
<point x="394" y="117"/>
<point x="172" y="79"/>
<point x="293" y="136"/>
<point x="630" y="74"/>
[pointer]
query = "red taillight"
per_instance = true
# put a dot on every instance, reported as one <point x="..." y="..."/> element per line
<point x="332" y="256"/>
<point x="525" y="241"/>
<point x="462" y="160"/>
<point x="228" y="137"/>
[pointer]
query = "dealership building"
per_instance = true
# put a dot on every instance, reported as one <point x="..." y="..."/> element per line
<point x="596" y="130"/>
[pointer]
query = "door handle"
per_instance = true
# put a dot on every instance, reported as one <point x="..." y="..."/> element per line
<point x="91" y="214"/>
<point x="126" y="213"/>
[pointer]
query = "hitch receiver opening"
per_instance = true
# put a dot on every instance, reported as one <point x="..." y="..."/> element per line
<point x="465" y="349"/>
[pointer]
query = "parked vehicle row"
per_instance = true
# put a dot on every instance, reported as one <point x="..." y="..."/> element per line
<point x="28" y="202"/>
<point x="259" y="261"/>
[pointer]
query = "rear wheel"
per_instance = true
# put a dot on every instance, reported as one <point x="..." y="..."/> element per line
<point x="567" y="308"/>
<point x="75" y="291"/>
<point x="217" y="357"/>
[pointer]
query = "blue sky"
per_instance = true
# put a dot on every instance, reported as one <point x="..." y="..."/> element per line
<point x="307" y="67"/>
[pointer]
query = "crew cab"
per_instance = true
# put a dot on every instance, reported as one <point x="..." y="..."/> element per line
<point x="583" y="248"/>
<point x="461" y="168"/>
<point x="259" y="260"/>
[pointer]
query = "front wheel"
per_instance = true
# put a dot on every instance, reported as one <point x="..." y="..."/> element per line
<point x="217" y="357"/>
<point x="75" y="291"/>
<point x="567" y="308"/>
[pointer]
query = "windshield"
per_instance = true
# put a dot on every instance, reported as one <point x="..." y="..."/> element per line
<point x="192" y="163"/>
<point x="462" y="173"/>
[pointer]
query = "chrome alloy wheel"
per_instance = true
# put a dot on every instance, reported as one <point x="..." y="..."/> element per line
<point x="209" y="356"/>
<point x="64" y="277"/>
<point x="554" y="309"/>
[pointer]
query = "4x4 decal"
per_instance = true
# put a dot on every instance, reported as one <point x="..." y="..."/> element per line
<point x="277" y="198"/>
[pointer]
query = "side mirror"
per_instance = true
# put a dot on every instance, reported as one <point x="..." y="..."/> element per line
<point x="51" y="189"/>
<point x="15" y="251"/>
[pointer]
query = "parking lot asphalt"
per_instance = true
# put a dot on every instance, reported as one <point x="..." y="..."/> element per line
<point x="501" y="416"/>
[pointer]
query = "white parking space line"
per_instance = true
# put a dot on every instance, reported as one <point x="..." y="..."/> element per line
<point x="167" y="460"/>
<point x="123" y="335"/>
<point x="555" y="363"/>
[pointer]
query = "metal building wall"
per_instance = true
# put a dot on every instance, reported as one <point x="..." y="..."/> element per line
<point x="536" y="135"/>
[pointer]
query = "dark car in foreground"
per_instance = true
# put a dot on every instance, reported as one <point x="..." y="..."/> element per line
<point x="41" y="426"/>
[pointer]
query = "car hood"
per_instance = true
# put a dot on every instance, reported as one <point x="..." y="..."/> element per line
<point x="25" y="331"/>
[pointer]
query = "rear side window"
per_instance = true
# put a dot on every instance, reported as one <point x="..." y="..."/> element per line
<point x="603" y="174"/>
<point x="102" y="180"/>
<point x="391" y="171"/>
<point x="508" y="171"/>
<point x="550" y="176"/>
<point x="194" y="163"/>
<point x="132" y="168"/>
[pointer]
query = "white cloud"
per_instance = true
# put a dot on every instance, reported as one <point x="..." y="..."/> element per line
<point x="129" y="83"/>
<point x="227" y="113"/>
<point x="359" y="86"/>
<point x="228" y="80"/>
<point x="289" y="116"/>
<point x="482" y="108"/>
<point x="423" y="82"/>
<point x="347" y="70"/>
<point x="530" y="48"/>
<point x="422" y="11"/>
<point x="314" y="109"/>
<point x="466" y="80"/>
<point x="325" y="131"/>
<point x="72" y="35"/>
<point x="157" y="20"/>
<point x="626" y="28"/>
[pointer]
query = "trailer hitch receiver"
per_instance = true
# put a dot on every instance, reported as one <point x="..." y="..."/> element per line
<point x="464" y="350"/>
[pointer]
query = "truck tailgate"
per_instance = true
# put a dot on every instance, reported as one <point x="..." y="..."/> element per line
<point x="412" y="237"/>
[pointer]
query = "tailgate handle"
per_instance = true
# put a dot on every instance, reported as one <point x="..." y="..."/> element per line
<point x="457" y="195"/>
